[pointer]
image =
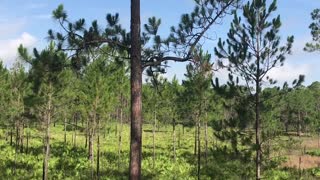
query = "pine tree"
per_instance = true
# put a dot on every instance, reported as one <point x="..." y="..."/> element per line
<point x="253" y="49"/>
<point x="315" y="32"/>
<point x="197" y="85"/>
<point x="45" y="69"/>
<point x="97" y="84"/>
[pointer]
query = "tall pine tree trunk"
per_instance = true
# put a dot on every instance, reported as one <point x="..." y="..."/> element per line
<point x="136" y="91"/>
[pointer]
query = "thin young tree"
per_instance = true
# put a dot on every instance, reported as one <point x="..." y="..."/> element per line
<point x="96" y="87"/>
<point x="44" y="72"/>
<point x="197" y="85"/>
<point x="253" y="49"/>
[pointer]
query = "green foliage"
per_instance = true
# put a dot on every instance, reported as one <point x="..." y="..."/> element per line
<point x="93" y="84"/>
<point x="277" y="175"/>
<point x="315" y="32"/>
<point x="253" y="45"/>
<point x="69" y="162"/>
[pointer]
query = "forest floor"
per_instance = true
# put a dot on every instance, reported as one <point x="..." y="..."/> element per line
<point x="69" y="161"/>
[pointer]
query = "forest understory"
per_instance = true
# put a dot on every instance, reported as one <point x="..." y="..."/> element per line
<point x="68" y="160"/>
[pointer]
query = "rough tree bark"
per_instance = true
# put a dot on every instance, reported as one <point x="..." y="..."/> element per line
<point x="136" y="90"/>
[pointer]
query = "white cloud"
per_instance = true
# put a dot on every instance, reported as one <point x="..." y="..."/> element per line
<point x="289" y="72"/>
<point x="8" y="48"/>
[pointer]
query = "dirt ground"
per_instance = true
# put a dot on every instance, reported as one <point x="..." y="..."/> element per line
<point x="298" y="158"/>
<point x="306" y="161"/>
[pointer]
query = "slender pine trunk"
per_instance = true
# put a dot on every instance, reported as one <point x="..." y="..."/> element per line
<point x="6" y="133"/>
<point x="98" y="149"/>
<point x="11" y="136"/>
<point x="257" y="129"/>
<point x="87" y="132"/>
<point x="65" y="129"/>
<point x="22" y="138"/>
<point x="299" y="123"/>
<point x="199" y="147"/>
<point x="91" y="134"/>
<point x="206" y="142"/>
<point x="27" y="143"/>
<point x="47" y="137"/>
<point x="17" y="136"/>
<point x="120" y="135"/>
<point x="16" y="150"/>
<point x="153" y="139"/>
<point x="195" y="139"/>
<point x="179" y="137"/>
<point x="75" y="129"/>
<point x="174" y="139"/>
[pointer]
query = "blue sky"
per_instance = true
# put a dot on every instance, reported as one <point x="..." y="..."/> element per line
<point x="27" y="22"/>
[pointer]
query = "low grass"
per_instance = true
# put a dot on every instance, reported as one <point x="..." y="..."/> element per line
<point x="69" y="161"/>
